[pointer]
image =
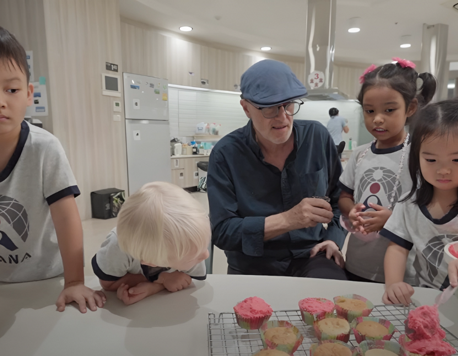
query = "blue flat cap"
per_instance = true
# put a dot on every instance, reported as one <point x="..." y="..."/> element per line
<point x="269" y="82"/>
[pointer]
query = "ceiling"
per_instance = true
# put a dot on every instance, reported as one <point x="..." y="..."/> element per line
<point x="251" y="24"/>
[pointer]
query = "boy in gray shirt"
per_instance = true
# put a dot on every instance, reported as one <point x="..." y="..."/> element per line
<point x="40" y="228"/>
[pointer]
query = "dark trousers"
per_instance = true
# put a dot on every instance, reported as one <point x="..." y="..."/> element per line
<point x="355" y="278"/>
<point x="316" y="267"/>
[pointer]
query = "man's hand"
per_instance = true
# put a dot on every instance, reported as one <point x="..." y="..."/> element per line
<point x="372" y="221"/>
<point x="453" y="273"/>
<point x="174" y="281"/>
<point x="332" y="250"/>
<point x="398" y="293"/>
<point x="80" y="294"/>
<point x="131" y="295"/>
<point x="308" y="213"/>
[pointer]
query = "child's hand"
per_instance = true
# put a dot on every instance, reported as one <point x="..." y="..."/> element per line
<point x="80" y="294"/>
<point x="398" y="293"/>
<point x="174" y="281"/>
<point x="130" y="295"/>
<point x="453" y="273"/>
<point x="332" y="250"/>
<point x="353" y="216"/>
<point x="372" y="221"/>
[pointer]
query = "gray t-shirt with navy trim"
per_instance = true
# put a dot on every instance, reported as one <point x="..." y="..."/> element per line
<point x="37" y="175"/>
<point x="111" y="263"/>
<point x="412" y="227"/>
<point x="372" y="180"/>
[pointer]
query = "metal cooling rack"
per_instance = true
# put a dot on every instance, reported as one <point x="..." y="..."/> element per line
<point x="226" y="338"/>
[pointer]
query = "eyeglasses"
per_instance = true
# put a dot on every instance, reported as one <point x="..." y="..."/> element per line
<point x="291" y="108"/>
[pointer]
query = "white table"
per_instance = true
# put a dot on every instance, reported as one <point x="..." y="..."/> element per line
<point x="165" y="324"/>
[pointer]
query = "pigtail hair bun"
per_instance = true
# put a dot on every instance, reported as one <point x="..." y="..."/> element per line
<point x="428" y="88"/>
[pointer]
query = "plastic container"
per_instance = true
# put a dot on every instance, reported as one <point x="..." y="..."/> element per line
<point x="212" y="129"/>
<point x="448" y="257"/>
<point x="200" y="128"/>
<point x="195" y="149"/>
<point x="178" y="149"/>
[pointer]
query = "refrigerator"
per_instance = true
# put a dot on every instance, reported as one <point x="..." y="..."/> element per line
<point x="146" y="109"/>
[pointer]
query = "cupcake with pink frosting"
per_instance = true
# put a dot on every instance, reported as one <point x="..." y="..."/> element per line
<point x="313" y="309"/>
<point x="252" y="312"/>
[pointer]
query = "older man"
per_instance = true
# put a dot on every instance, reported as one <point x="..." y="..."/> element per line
<point x="262" y="180"/>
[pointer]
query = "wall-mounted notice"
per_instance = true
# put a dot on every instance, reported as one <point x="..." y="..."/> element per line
<point x="111" y="66"/>
<point x="39" y="105"/>
<point x="29" y="55"/>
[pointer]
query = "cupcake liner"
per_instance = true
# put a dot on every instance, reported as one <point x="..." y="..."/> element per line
<point x="315" y="346"/>
<point x="251" y="323"/>
<point x="360" y="337"/>
<point x="309" y="318"/>
<point x="288" y="348"/>
<point x="382" y="345"/>
<point x="350" y="315"/>
<point x="321" y="336"/>
<point x="260" y="351"/>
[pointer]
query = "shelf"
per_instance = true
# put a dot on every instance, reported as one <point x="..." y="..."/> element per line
<point x="188" y="156"/>
<point x="207" y="137"/>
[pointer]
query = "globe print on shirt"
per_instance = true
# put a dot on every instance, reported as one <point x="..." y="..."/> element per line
<point x="377" y="186"/>
<point x="431" y="259"/>
<point x="14" y="225"/>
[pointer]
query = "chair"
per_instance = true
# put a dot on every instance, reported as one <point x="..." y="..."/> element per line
<point x="340" y="148"/>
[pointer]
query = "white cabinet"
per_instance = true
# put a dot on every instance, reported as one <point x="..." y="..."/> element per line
<point x="178" y="177"/>
<point x="185" y="173"/>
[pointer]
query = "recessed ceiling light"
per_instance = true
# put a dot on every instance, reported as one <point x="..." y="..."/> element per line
<point x="354" y="25"/>
<point x="405" y="42"/>
<point x="266" y="48"/>
<point x="185" y="28"/>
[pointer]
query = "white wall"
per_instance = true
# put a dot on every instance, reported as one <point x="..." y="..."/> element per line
<point x="189" y="106"/>
<point x="351" y="110"/>
<point x="25" y="19"/>
<point x="81" y="37"/>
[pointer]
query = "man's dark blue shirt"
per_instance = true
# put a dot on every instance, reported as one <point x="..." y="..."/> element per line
<point x="243" y="190"/>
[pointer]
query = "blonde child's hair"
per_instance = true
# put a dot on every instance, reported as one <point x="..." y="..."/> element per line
<point x="162" y="223"/>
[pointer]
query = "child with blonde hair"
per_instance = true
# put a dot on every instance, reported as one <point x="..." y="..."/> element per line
<point x="160" y="242"/>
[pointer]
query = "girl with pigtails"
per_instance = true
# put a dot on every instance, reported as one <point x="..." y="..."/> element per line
<point x="377" y="174"/>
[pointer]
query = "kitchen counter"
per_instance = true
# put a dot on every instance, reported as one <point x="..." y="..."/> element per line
<point x="165" y="324"/>
<point x="189" y="156"/>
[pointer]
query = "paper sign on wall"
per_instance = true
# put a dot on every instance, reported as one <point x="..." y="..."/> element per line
<point x="39" y="105"/>
<point x="29" y="55"/>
